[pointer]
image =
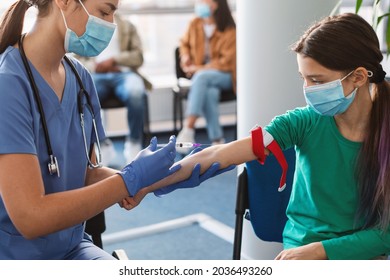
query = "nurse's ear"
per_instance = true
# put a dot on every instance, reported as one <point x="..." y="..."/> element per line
<point x="360" y="77"/>
<point x="66" y="4"/>
<point x="61" y="3"/>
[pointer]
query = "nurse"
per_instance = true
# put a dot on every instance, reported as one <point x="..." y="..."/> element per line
<point x="50" y="177"/>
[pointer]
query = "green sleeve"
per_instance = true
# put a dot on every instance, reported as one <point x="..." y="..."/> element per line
<point x="361" y="245"/>
<point x="292" y="127"/>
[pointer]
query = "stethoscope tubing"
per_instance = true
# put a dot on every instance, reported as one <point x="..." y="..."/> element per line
<point x="53" y="164"/>
<point x="36" y="95"/>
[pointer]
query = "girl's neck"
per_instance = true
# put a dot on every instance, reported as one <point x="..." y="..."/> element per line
<point x="353" y="123"/>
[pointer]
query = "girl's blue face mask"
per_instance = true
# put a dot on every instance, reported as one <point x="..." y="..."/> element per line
<point x="202" y="10"/>
<point x="96" y="38"/>
<point x="328" y="99"/>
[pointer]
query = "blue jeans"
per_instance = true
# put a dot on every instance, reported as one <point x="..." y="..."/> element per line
<point x="130" y="89"/>
<point x="203" y="98"/>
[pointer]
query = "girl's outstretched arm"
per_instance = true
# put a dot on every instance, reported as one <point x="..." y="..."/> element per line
<point x="232" y="153"/>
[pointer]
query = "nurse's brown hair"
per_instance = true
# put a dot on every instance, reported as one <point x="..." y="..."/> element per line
<point x="11" y="25"/>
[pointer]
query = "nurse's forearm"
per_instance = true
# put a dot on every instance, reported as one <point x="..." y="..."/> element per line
<point x="95" y="175"/>
<point x="98" y="174"/>
<point x="235" y="152"/>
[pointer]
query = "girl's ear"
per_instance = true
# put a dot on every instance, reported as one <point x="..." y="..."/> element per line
<point x="360" y="76"/>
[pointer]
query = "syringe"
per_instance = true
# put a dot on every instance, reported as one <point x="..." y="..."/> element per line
<point x="185" y="145"/>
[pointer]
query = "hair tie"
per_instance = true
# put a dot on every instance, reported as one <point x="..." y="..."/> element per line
<point x="379" y="75"/>
<point x="30" y="3"/>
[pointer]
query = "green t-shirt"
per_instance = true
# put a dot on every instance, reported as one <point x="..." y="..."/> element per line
<point x="324" y="197"/>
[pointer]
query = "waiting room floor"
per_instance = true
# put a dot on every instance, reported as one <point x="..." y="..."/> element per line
<point x="191" y="224"/>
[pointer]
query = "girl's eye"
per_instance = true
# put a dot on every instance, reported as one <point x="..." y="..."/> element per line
<point x="311" y="82"/>
<point x="316" y="82"/>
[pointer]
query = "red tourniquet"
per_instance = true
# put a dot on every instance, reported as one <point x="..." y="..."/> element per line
<point x="261" y="139"/>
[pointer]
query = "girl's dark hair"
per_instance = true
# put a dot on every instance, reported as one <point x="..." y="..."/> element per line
<point x="222" y="15"/>
<point x="344" y="43"/>
<point x="11" y="25"/>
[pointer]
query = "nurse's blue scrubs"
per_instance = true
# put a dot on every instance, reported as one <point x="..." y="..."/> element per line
<point x="21" y="133"/>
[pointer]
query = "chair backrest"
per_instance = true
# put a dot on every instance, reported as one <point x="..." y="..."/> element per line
<point x="259" y="198"/>
<point x="111" y="102"/>
<point x="267" y="206"/>
<point x="179" y="71"/>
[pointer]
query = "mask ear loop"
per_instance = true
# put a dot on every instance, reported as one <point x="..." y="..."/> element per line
<point x="346" y="76"/>
<point x="63" y="17"/>
<point x="62" y="13"/>
<point x="355" y="89"/>
<point x="85" y="9"/>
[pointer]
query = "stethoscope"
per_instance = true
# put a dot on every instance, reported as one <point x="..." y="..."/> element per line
<point x="53" y="163"/>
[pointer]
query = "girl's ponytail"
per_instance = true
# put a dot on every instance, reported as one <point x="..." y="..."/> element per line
<point x="374" y="161"/>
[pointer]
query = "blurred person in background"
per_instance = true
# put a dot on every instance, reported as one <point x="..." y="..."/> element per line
<point x="208" y="58"/>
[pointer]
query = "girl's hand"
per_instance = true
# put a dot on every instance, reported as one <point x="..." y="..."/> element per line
<point x="312" y="251"/>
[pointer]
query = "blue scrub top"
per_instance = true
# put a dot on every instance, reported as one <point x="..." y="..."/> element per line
<point x="21" y="133"/>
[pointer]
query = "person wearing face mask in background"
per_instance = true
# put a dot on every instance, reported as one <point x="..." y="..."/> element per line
<point x="340" y="201"/>
<point x="51" y="180"/>
<point x="208" y="57"/>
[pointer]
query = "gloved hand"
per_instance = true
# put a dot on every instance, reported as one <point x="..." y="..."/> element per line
<point x="196" y="178"/>
<point x="150" y="166"/>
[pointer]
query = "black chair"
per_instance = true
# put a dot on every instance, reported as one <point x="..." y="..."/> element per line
<point x="112" y="102"/>
<point x="95" y="227"/>
<point x="180" y="93"/>
<point x="259" y="201"/>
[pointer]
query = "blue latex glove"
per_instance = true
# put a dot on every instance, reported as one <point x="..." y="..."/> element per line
<point x="150" y="166"/>
<point x="196" y="178"/>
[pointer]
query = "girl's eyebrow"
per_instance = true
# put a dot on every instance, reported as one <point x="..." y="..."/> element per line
<point x="312" y="76"/>
<point x="315" y="76"/>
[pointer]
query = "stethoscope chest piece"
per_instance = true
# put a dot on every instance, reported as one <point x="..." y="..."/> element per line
<point x="53" y="166"/>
